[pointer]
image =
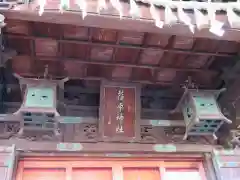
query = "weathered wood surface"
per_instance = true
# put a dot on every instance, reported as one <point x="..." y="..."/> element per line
<point x="28" y="146"/>
<point x="109" y="111"/>
<point x="126" y="56"/>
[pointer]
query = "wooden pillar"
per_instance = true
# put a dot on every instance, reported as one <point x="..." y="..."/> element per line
<point x="119" y="112"/>
<point x="230" y="104"/>
<point x="2" y="89"/>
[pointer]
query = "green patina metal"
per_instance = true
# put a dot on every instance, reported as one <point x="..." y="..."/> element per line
<point x="9" y="162"/>
<point x="118" y="155"/>
<point x="206" y="105"/>
<point x="69" y="147"/>
<point x="40" y="97"/>
<point x="164" y="148"/>
<point x="228" y="152"/>
<point x="71" y="120"/>
<point x="159" y="123"/>
<point x="65" y="4"/>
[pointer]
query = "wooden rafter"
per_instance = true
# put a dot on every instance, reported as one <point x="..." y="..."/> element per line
<point x="126" y="64"/>
<point x="117" y="45"/>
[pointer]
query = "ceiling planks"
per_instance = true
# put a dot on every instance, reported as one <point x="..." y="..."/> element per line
<point x="119" y="55"/>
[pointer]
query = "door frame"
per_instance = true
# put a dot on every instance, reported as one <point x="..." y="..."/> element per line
<point x="115" y="163"/>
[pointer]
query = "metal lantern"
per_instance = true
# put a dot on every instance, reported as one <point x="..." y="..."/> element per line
<point x="201" y="112"/>
<point x="38" y="111"/>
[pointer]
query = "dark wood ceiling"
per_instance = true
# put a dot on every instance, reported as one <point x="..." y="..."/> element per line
<point x="86" y="55"/>
<point x="94" y="53"/>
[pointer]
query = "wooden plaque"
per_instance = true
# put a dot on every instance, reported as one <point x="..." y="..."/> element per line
<point x="119" y="111"/>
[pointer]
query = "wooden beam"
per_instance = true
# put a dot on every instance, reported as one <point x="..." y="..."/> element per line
<point x="94" y="120"/>
<point x="145" y="92"/>
<point x="90" y="78"/>
<point x="143" y="82"/>
<point x="155" y="117"/>
<point x="162" y="123"/>
<point x="110" y="63"/>
<point x="109" y="21"/>
<point x="176" y="156"/>
<point x="163" y="118"/>
<point x="30" y="146"/>
<point x="117" y="45"/>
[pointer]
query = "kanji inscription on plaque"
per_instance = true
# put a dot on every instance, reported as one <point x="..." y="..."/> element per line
<point x="118" y="112"/>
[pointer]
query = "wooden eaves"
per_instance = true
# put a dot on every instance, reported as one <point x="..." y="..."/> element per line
<point x="109" y="19"/>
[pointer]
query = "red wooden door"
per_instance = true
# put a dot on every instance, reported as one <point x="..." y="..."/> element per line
<point x="55" y="168"/>
<point x="92" y="174"/>
<point x="43" y="174"/>
<point x="141" y="173"/>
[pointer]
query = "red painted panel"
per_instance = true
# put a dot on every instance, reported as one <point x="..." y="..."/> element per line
<point x="129" y="109"/>
<point x="43" y="174"/>
<point x="184" y="174"/>
<point x="141" y="174"/>
<point x="92" y="174"/>
<point x="110" y="112"/>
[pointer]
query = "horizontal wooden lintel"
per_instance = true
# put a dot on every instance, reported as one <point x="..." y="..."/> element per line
<point x="92" y="120"/>
<point x="30" y="146"/>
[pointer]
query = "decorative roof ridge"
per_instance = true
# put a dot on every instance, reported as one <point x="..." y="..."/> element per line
<point x="194" y="4"/>
<point x="199" y="21"/>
